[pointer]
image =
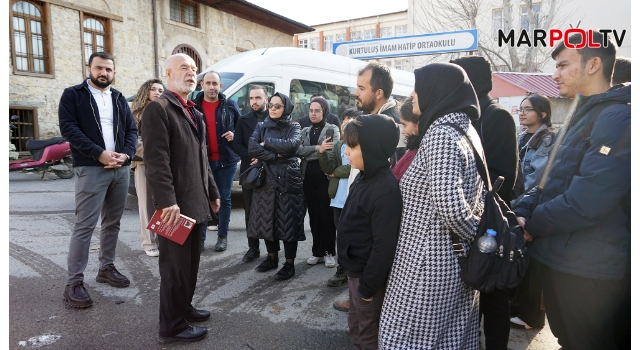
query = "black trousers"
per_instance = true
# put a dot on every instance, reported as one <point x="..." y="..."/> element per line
<point x="247" y="194"/>
<point x="336" y="216"/>
<point x="582" y="311"/>
<point x="494" y="307"/>
<point x="290" y="248"/>
<point x="178" y="266"/>
<point x="316" y="194"/>
<point x="527" y="301"/>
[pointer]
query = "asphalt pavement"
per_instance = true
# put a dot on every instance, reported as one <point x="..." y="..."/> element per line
<point x="250" y="310"/>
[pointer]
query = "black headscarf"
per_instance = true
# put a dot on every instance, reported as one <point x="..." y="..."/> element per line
<point x="378" y="137"/>
<point x="325" y="111"/>
<point x="478" y="70"/>
<point x="443" y="88"/>
<point x="285" y="118"/>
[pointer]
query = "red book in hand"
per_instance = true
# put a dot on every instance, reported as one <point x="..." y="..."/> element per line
<point x="177" y="232"/>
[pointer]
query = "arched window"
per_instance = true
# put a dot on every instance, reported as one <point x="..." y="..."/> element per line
<point x="95" y="35"/>
<point x="191" y="52"/>
<point x="31" y="52"/>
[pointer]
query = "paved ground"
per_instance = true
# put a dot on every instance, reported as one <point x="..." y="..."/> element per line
<point x="250" y="310"/>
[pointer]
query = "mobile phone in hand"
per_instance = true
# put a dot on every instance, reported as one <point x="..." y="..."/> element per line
<point x="329" y="138"/>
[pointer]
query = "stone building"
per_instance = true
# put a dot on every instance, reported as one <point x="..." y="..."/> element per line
<point x="51" y="41"/>
<point x="365" y="28"/>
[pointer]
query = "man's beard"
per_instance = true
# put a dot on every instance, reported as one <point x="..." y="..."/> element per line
<point x="260" y="109"/>
<point x="98" y="83"/>
<point x="366" y="106"/>
<point x="182" y="86"/>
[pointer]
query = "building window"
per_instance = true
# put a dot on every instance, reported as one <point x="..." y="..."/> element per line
<point x="386" y="32"/>
<point x="303" y="43"/>
<point x="185" y="11"/>
<point x="341" y="37"/>
<point x="313" y="43"/>
<point x="95" y="37"/>
<point x="328" y="43"/>
<point x="191" y="52"/>
<point x="26" y="126"/>
<point x="401" y="30"/>
<point x="356" y="35"/>
<point x="31" y="52"/>
<point x="369" y="34"/>
<point x="498" y="21"/>
<point x="524" y="17"/>
<point x="403" y="65"/>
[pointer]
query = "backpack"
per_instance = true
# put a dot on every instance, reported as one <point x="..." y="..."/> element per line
<point x="506" y="267"/>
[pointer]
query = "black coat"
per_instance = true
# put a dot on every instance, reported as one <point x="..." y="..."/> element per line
<point x="244" y="129"/>
<point x="277" y="208"/>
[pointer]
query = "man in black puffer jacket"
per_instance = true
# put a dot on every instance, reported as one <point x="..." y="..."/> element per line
<point x="497" y="130"/>
<point x="578" y="222"/>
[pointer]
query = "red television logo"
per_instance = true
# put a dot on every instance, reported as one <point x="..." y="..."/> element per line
<point x="557" y="35"/>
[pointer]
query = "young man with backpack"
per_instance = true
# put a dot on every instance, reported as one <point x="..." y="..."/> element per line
<point x="578" y="224"/>
<point x="497" y="130"/>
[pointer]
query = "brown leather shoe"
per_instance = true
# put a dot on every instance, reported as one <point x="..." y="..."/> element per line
<point x="341" y="305"/>
<point x="76" y="295"/>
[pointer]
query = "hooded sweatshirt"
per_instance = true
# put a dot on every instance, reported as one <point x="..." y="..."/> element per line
<point x="370" y="219"/>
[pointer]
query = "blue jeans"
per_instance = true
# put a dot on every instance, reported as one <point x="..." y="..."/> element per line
<point x="224" y="180"/>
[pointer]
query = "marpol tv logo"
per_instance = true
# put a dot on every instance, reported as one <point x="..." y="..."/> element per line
<point x="554" y="36"/>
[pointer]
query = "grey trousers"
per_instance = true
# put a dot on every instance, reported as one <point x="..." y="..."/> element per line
<point x="102" y="193"/>
<point x="364" y="317"/>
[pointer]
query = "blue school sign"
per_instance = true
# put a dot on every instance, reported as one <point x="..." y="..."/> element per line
<point x="412" y="45"/>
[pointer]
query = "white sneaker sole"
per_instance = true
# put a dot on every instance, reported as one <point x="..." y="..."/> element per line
<point x="329" y="265"/>
<point x="314" y="262"/>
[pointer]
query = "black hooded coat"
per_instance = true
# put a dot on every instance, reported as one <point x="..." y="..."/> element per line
<point x="278" y="208"/>
<point x="496" y="127"/>
<point x="370" y="220"/>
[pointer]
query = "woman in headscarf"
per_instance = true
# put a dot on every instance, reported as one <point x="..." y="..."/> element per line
<point x="316" y="183"/>
<point x="277" y="207"/>
<point x="409" y="121"/>
<point x="427" y="306"/>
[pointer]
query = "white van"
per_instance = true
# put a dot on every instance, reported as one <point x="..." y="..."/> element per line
<point x="299" y="73"/>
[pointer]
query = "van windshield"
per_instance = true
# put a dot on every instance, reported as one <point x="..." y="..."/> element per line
<point x="228" y="79"/>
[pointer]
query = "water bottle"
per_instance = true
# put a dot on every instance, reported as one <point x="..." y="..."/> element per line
<point x="487" y="244"/>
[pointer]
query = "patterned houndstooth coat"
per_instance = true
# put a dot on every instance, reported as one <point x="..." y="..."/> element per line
<point x="427" y="306"/>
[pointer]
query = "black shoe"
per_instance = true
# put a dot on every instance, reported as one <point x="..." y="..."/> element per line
<point x="221" y="244"/>
<point x="339" y="278"/>
<point x="110" y="275"/>
<point x="195" y="315"/>
<point x="201" y="246"/>
<point x="287" y="271"/>
<point x="268" y="264"/>
<point x="191" y="334"/>
<point x="76" y="295"/>
<point x="253" y="253"/>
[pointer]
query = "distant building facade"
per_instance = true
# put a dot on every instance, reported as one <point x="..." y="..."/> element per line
<point x="51" y="41"/>
<point x="365" y="28"/>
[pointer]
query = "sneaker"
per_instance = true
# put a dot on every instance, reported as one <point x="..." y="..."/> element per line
<point x="76" y="295"/>
<point x="329" y="260"/>
<point x="314" y="260"/>
<point x="221" y="244"/>
<point x="518" y="323"/>
<point x="111" y="275"/>
<point x="212" y="228"/>
<point x="341" y="305"/>
<point x="152" y="252"/>
<point x="287" y="271"/>
<point x="339" y="278"/>
<point x="268" y="264"/>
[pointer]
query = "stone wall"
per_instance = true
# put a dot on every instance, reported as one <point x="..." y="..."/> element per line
<point x="218" y="37"/>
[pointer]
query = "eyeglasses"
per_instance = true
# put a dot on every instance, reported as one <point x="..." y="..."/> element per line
<point x="276" y="105"/>
<point x="316" y="111"/>
<point x="525" y="110"/>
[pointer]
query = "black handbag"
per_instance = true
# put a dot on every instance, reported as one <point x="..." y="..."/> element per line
<point x="253" y="177"/>
<point x="506" y="267"/>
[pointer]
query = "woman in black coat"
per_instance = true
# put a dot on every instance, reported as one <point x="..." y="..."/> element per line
<point x="277" y="207"/>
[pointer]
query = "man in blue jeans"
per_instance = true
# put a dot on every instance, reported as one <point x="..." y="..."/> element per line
<point x="221" y="116"/>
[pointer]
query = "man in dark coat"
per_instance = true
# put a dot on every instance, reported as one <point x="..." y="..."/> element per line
<point x="579" y="223"/>
<point x="220" y="117"/>
<point x="180" y="182"/>
<point x="246" y="124"/>
<point x="497" y="130"/>
<point x="331" y="118"/>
